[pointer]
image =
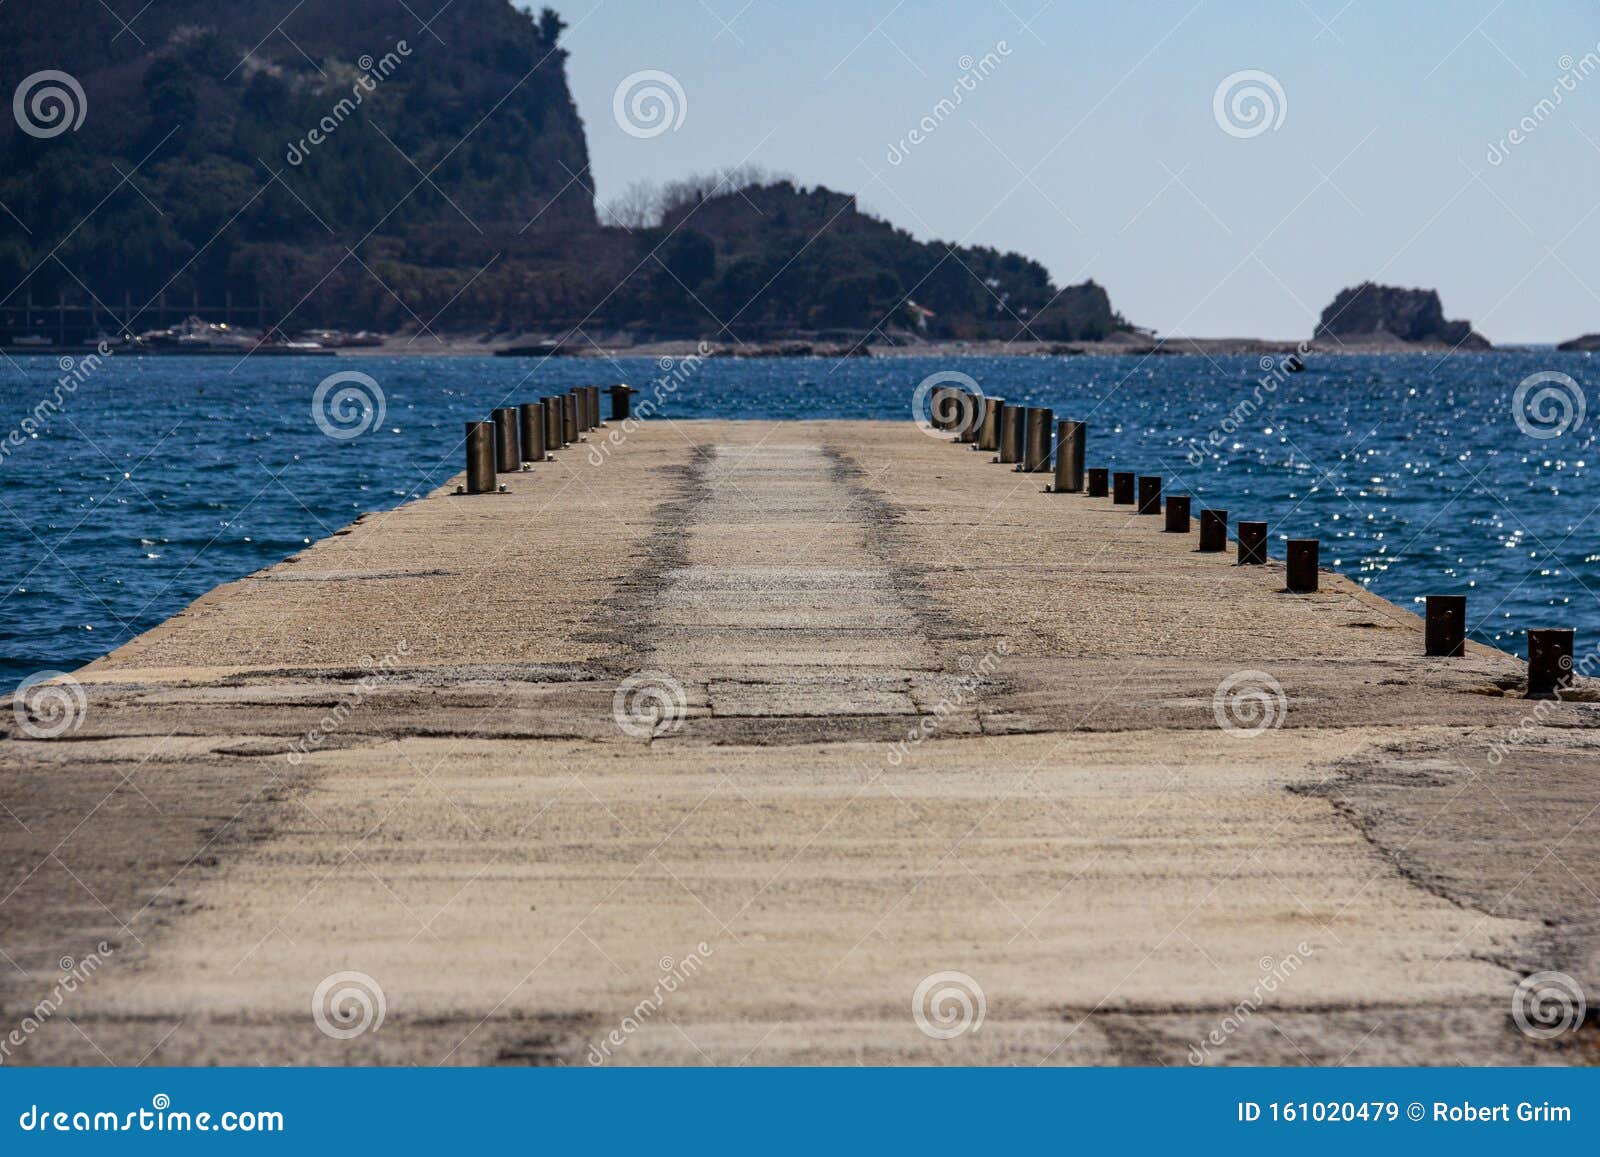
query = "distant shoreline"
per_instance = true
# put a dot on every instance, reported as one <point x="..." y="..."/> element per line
<point x="800" y="347"/>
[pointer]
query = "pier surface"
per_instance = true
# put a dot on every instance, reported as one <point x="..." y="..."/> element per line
<point x="933" y="721"/>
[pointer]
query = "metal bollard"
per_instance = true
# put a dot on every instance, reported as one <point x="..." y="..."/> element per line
<point x="507" y="450"/>
<point x="1178" y="514"/>
<point x="1038" y="427"/>
<point x="621" y="402"/>
<point x="1011" y="423"/>
<point x="968" y="416"/>
<point x="1122" y="488"/>
<point x="1098" y="481"/>
<point x="569" y="418"/>
<point x="596" y="418"/>
<point x="1070" y="438"/>
<point x="1150" y="494"/>
<point x="1213" y="530"/>
<point x="585" y="419"/>
<point x="940" y="405"/>
<point x="1445" y="626"/>
<point x="531" y="415"/>
<point x="554" y="427"/>
<point x="480" y="458"/>
<point x="1252" y="543"/>
<point x="989" y="429"/>
<point x="1549" y="662"/>
<point x="1302" y="565"/>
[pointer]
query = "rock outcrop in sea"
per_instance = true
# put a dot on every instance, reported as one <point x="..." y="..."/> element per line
<point x="1372" y="314"/>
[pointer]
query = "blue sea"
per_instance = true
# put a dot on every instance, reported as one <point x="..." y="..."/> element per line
<point x="157" y="478"/>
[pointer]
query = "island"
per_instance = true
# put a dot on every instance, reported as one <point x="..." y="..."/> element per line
<point x="1385" y="316"/>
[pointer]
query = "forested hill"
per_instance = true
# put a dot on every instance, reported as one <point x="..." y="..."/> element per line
<point x="352" y="166"/>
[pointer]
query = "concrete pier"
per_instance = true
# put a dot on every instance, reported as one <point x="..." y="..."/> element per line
<point x="803" y="716"/>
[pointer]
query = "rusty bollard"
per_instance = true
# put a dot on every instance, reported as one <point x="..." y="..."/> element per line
<point x="596" y="419"/>
<point x="1122" y="487"/>
<point x="1445" y="627"/>
<point x="1070" y="439"/>
<point x="507" y="450"/>
<point x="1178" y="514"/>
<point x="989" y="427"/>
<point x="1213" y="530"/>
<point x="1549" y="661"/>
<point x="1011" y="424"/>
<point x="621" y="402"/>
<point x="1252" y="543"/>
<point x="1302" y="565"/>
<point x="1149" y="494"/>
<point x="570" y="431"/>
<point x="942" y="407"/>
<point x="1099" y="482"/>
<point x="972" y="418"/>
<point x="480" y="458"/>
<point x="553" y="425"/>
<point x="530" y="416"/>
<point x="1036" y="440"/>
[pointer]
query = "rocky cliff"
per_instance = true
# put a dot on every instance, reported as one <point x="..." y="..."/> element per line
<point x="1371" y="314"/>
<point x="345" y="164"/>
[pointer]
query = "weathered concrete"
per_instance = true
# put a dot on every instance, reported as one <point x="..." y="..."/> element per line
<point x="476" y="832"/>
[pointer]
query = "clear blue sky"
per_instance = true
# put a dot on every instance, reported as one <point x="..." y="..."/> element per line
<point x="1094" y="148"/>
